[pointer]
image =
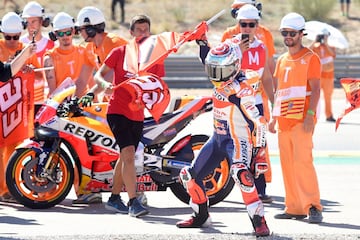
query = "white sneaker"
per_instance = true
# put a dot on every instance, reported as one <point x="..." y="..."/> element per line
<point x="91" y="198"/>
<point x="141" y="197"/>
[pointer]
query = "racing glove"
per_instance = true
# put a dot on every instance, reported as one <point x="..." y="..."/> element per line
<point x="86" y="100"/>
<point x="259" y="165"/>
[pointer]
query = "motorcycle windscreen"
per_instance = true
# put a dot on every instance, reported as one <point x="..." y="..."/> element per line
<point x="48" y="109"/>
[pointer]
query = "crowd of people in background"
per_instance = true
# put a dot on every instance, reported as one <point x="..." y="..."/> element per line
<point x="95" y="66"/>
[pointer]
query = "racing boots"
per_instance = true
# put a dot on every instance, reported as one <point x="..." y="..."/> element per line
<point x="260" y="226"/>
<point x="197" y="220"/>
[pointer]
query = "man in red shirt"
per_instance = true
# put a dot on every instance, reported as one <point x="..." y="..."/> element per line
<point x="126" y="123"/>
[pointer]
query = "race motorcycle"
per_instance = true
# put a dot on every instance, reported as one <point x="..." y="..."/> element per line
<point x="71" y="141"/>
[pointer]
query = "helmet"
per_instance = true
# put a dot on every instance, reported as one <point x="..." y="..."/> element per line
<point x="248" y="11"/>
<point x="11" y="23"/>
<point x="32" y="9"/>
<point x="90" y="16"/>
<point x="293" y="20"/>
<point x="223" y="62"/>
<point x="237" y="3"/>
<point x="62" y="20"/>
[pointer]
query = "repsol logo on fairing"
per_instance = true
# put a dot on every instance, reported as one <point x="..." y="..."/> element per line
<point x="94" y="137"/>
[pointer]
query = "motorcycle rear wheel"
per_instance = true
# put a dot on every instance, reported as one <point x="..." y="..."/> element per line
<point x="35" y="192"/>
<point x="218" y="183"/>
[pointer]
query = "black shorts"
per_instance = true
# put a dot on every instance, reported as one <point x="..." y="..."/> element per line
<point x="126" y="132"/>
<point x="344" y="1"/>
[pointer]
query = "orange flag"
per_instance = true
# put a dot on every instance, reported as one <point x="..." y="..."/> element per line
<point x="352" y="90"/>
<point x="146" y="89"/>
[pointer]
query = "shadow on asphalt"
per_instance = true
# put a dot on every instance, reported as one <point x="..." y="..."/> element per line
<point x="160" y="215"/>
<point x="18" y="221"/>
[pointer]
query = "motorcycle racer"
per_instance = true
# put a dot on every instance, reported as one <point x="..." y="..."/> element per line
<point x="238" y="128"/>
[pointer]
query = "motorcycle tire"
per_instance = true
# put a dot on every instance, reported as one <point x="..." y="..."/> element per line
<point x="218" y="183"/>
<point x="36" y="192"/>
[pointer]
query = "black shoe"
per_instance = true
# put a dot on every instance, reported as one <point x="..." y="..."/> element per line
<point x="265" y="198"/>
<point x="289" y="216"/>
<point x="331" y="119"/>
<point x="315" y="215"/>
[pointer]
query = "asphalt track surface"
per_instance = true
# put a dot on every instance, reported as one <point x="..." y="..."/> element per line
<point x="337" y="160"/>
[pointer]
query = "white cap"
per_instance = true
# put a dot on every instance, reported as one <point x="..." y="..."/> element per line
<point x="32" y="9"/>
<point x="236" y="3"/>
<point x="11" y="23"/>
<point x="248" y="11"/>
<point x="90" y="16"/>
<point x="325" y="32"/>
<point x="293" y="20"/>
<point x="62" y="20"/>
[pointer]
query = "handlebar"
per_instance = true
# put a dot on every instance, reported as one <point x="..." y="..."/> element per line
<point x="69" y="108"/>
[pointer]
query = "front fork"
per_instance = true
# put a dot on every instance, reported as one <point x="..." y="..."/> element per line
<point x="48" y="160"/>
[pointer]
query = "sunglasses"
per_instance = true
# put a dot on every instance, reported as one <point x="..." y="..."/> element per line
<point x="16" y="37"/>
<point x="291" y="33"/>
<point x="250" y="24"/>
<point x="61" y="34"/>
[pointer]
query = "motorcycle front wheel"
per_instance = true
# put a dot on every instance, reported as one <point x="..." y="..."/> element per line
<point x="38" y="192"/>
<point x="218" y="183"/>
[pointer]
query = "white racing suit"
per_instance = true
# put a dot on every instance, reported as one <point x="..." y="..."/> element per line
<point x="238" y="127"/>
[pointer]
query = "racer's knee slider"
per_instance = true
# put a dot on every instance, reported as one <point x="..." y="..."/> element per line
<point x="185" y="176"/>
<point x="197" y="194"/>
<point x="243" y="177"/>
